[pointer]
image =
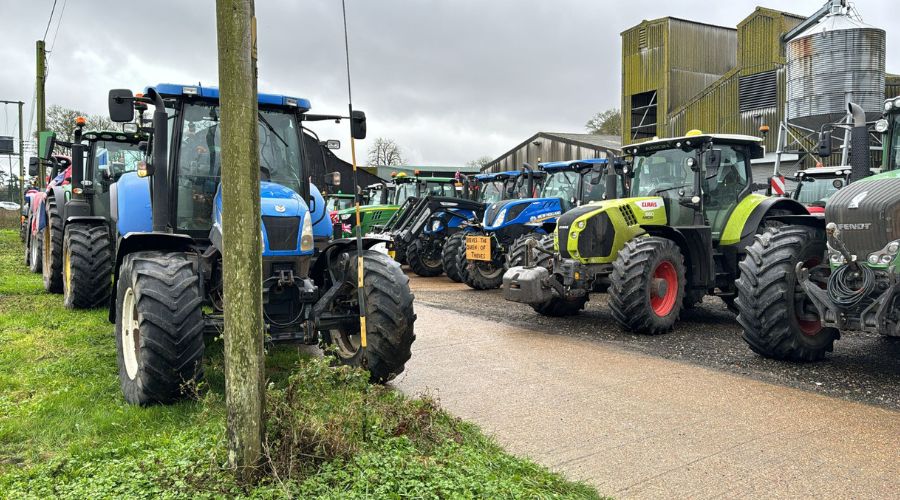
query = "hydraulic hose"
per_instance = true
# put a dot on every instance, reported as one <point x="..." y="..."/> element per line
<point x="844" y="295"/>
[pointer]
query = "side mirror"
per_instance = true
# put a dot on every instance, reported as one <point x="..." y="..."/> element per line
<point x="34" y="165"/>
<point x="824" y="146"/>
<point x="357" y="124"/>
<point x="46" y="143"/>
<point x="713" y="159"/>
<point x="333" y="179"/>
<point x="332" y="144"/>
<point x="121" y="105"/>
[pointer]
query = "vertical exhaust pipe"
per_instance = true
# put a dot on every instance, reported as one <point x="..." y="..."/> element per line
<point x="160" y="206"/>
<point x="860" y="159"/>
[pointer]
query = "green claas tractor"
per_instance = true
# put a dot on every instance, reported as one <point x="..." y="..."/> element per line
<point x="808" y="280"/>
<point x="679" y="237"/>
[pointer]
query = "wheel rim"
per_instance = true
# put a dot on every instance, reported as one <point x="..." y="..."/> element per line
<point x="131" y="334"/>
<point x="664" y="276"/>
<point x="347" y="344"/>
<point x="489" y="270"/>
<point x="67" y="271"/>
<point x="35" y="252"/>
<point x="809" y="327"/>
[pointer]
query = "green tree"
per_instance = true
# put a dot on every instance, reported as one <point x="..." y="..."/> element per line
<point x="607" y="122"/>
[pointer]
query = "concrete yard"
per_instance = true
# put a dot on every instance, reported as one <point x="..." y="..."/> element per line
<point x="635" y="424"/>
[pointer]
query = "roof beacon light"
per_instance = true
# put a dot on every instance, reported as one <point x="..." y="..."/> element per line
<point x="693" y="133"/>
<point x="80" y="121"/>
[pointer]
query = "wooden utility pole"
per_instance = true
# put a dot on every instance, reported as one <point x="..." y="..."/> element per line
<point x="21" y="156"/>
<point x="242" y="260"/>
<point x="41" y="104"/>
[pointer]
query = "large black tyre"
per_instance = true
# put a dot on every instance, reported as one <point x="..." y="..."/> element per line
<point x="87" y="266"/>
<point x="646" y="290"/>
<point x="423" y="260"/>
<point x="390" y="319"/>
<point x="483" y="275"/>
<point x="159" y="327"/>
<point x="52" y="243"/>
<point x="450" y="256"/>
<point x="519" y="248"/>
<point x="768" y="301"/>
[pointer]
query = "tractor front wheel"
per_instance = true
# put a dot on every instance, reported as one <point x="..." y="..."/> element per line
<point x="390" y="319"/>
<point x="779" y="321"/>
<point x="450" y="256"/>
<point x="424" y="257"/>
<point x="87" y="266"/>
<point x="52" y="243"/>
<point x="159" y="327"/>
<point x="647" y="285"/>
<point x="484" y="274"/>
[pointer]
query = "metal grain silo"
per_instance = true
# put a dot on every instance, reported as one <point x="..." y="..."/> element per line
<point x="838" y="60"/>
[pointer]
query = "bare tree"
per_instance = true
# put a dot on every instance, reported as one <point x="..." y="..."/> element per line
<point x="607" y="122"/>
<point x="479" y="162"/>
<point x="61" y="120"/>
<point x="384" y="152"/>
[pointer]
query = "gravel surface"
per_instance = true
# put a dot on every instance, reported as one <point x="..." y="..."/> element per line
<point x="863" y="368"/>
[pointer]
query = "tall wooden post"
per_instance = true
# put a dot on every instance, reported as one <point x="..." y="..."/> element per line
<point x="41" y="103"/>
<point x="242" y="260"/>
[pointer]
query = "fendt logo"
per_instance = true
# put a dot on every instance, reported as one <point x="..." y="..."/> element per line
<point x="860" y="226"/>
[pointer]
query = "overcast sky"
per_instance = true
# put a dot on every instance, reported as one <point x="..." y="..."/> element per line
<point x="449" y="80"/>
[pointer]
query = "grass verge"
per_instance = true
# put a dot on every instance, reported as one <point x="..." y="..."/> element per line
<point x="66" y="432"/>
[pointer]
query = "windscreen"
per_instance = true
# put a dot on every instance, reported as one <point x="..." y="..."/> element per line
<point x="594" y="187"/>
<point x="434" y="188"/>
<point x="403" y="192"/>
<point x="561" y="184"/>
<point x="817" y="189"/>
<point x="492" y="191"/>
<point x="659" y="172"/>
<point x="199" y="159"/>
<point x="109" y="161"/>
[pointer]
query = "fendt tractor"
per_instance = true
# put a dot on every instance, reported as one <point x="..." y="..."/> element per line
<point x="167" y="286"/>
<point x="78" y="243"/>
<point x="679" y="237"/>
<point x="499" y="243"/>
<point x="811" y="278"/>
<point x="486" y="189"/>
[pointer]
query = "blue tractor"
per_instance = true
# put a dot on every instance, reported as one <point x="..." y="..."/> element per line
<point x="486" y="189"/>
<point x="167" y="286"/>
<point x="501" y="241"/>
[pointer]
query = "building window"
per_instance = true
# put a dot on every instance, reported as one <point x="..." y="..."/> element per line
<point x="758" y="91"/>
<point x="642" y="38"/>
<point x="643" y="115"/>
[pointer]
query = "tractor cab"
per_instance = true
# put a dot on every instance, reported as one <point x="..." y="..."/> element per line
<point x="335" y="202"/>
<point x="493" y="187"/>
<point x="578" y="182"/>
<point x="816" y="185"/>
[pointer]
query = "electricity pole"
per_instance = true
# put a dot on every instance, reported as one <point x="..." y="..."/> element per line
<point x="41" y="110"/>
<point x="21" y="157"/>
<point x="242" y="260"/>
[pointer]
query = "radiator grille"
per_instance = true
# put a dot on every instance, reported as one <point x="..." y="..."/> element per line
<point x="282" y="232"/>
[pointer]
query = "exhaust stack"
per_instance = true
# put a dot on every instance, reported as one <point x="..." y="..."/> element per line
<point x="860" y="158"/>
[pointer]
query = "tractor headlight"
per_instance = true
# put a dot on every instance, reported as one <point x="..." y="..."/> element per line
<point x="436" y="225"/>
<point x="573" y="235"/>
<point x="886" y="259"/>
<point x="886" y="254"/>
<point x="837" y="259"/>
<point x="500" y="218"/>
<point x="893" y="247"/>
<point x="881" y="126"/>
<point x="888" y="106"/>
<point x="306" y="236"/>
<point x="873" y="259"/>
<point x="897" y="102"/>
<point x="580" y="224"/>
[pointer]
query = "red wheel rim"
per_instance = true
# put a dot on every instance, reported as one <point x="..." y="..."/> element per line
<point x="809" y="327"/>
<point x="665" y="272"/>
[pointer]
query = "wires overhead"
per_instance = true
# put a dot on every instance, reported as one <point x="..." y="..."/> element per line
<point x="47" y="30"/>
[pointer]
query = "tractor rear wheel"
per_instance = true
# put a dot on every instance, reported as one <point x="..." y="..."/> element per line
<point x="390" y="319"/>
<point x="778" y="319"/>
<point x="159" y="327"/>
<point x="647" y="285"/>
<point x="423" y="256"/>
<point x="53" y="239"/>
<point x="87" y="266"/>
<point x="449" y="256"/>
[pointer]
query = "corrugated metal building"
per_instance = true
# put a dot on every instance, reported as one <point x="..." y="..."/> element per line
<point x="555" y="146"/>
<point x="711" y="78"/>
